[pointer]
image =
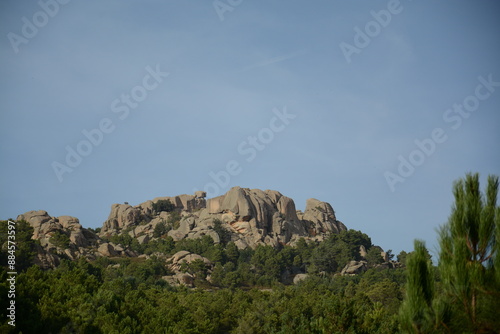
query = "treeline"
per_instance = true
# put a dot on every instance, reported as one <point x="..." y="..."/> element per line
<point x="246" y="291"/>
<point x="81" y="297"/>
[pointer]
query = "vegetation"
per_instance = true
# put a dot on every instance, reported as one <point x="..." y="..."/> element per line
<point x="469" y="261"/>
<point x="161" y="229"/>
<point x="163" y="205"/>
<point x="25" y="246"/>
<point x="132" y="298"/>
<point x="174" y="220"/>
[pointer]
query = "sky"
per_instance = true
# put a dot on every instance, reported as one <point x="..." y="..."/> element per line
<point x="375" y="107"/>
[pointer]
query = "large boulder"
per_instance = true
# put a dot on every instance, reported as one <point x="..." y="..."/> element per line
<point x="121" y="216"/>
<point x="354" y="267"/>
<point x="320" y="218"/>
<point x="256" y="217"/>
<point x="106" y="249"/>
<point x="299" y="278"/>
<point x="175" y="262"/>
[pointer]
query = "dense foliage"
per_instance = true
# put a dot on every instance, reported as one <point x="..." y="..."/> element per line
<point x="92" y="298"/>
<point x="163" y="205"/>
<point x="247" y="291"/>
<point x="467" y="297"/>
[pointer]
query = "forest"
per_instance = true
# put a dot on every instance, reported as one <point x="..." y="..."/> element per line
<point x="251" y="290"/>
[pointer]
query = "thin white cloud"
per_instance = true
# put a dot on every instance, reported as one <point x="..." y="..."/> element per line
<point x="274" y="60"/>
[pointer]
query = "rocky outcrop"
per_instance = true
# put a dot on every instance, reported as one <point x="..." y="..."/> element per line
<point x="321" y="218"/>
<point x="81" y="242"/>
<point x="44" y="227"/>
<point x="247" y="217"/>
<point x="362" y="251"/>
<point x="175" y="264"/>
<point x="299" y="278"/>
<point x="354" y="267"/>
<point x="180" y="279"/>
<point x="122" y="216"/>
<point x="267" y="217"/>
<point x="251" y="216"/>
<point x="107" y="249"/>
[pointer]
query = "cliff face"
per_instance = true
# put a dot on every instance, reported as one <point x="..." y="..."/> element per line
<point x="248" y="217"/>
<point x="251" y="216"/>
<point x="74" y="241"/>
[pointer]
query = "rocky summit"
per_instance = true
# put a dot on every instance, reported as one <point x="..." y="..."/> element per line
<point x="247" y="217"/>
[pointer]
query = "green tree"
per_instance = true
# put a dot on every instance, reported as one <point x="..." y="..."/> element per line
<point x="59" y="239"/>
<point x="469" y="253"/>
<point x="232" y="252"/>
<point x="224" y="234"/>
<point x="163" y="205"/>
<point x="174" y="219"/>
<point x="123" y="239"/>
<point x="469" y="296"/>
<point x="402" y="257"/>
<point x="25" y="246"/>
<point x="416" y="313"/>
<point x="373" y="256"/>
<point x="160" y="229"/>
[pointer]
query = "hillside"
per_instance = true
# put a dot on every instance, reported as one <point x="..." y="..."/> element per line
<point x="210" y="262"/>
<point x="244" y="217"/>
<point x="246" y="262"/>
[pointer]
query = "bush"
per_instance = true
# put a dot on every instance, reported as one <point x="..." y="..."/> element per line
<point x="163" y="205"/>
<point x="374" y="257"/>
<point x="161" y="229"/>
<point x="174" y="220"/>
<point x="60" y="240"/>
<point x="224" y="234"/>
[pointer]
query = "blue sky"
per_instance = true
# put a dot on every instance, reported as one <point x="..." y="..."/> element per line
<point x="230" y="73"/>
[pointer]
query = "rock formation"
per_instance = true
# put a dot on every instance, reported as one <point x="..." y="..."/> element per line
<point x="354" y="267"/>
<point x="80" y="240"/>
<point x="248" y="217"/>
<point x="251" y="216"/>
<point x="175" y="265"/>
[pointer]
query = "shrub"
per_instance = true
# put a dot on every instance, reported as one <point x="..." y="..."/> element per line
<point x="163" y="205"/>
<point x="174" y="220"/>
<point x="60" y="240"/>
<point x="160" y="229"/>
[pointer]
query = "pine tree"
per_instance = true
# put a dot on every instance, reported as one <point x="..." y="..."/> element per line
<point x="469" y="263"/>
<point x="469" y="253"/>
<point x="416" y="313"/>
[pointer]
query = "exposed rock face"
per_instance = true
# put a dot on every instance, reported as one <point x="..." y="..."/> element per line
<point x="121" y="217"/>
<point x="321" y="218"/>
<point x="124" y="216"/>
<point x="299" y="277"/>
<point x="107" y="249"/>
<point x="176" y="261"/>
<point x="362" y="251"/>
<point x="354" y="267"/>
<point x="180" y="279"/>
<point x="44" y="226"/>
<point x="251" y="216"/>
